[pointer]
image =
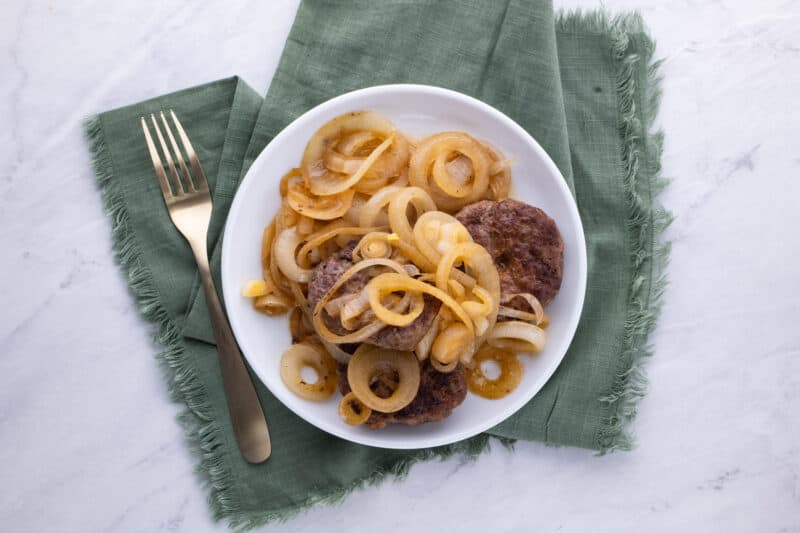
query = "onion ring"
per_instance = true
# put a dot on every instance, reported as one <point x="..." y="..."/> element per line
<point x="511" y="371"/>
<point x="517" y="336"/>
<point x="439" y="145"/>
<point x="369" y="361"/>
<point x="306" y="354"/>
<point x="286" y="244"/>
<point x="398" y="210"/>
<point x="353" y="411"/>
<point x="305" y="202"/>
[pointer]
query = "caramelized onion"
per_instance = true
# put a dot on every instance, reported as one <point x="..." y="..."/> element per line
<point x="451" y="343"/>
<point x="533" y="303"/>
<point x="352" y="410"/>
<point x="431" y="237"/>
<point x="285" y="246"/>
<point x="392" y="282"/>
<point x="376" y="292"/>
<point x="511" y="371"/>
<point x="423" y="348"/>
<point x="499" y="173"/>
<point x="372" y="212"/>
<point x="443" y="368"/>
<point x="314" y="356"/>
<point x="398" y="210"/>
<point x="299" y="328"/>
<point x="368" y="362"/>
<point x="315" y="240"/>
<point x="272" y="304"/>
<point x="291" y="176"/>
<point x="372" y="245"/>
<point x="517" y="336"/>
<point x="447" y="191"/>
<point x="305" y="202"/>
<point x="318" y="177"/>
<point x="329" y="183"/>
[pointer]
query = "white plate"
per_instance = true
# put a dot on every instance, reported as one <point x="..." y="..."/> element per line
<point x="418" y="110"/>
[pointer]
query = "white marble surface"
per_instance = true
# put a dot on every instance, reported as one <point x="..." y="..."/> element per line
<point x="88" y="440"/>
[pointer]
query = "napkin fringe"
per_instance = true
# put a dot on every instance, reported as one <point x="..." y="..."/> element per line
<point x="202" y="432"/>
<point x="642" y="146"/>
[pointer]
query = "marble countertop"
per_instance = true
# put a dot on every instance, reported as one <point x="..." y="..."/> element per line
<point x="88" y="437"/>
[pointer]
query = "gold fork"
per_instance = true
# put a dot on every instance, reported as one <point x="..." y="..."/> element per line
<point x="189" y="207"/>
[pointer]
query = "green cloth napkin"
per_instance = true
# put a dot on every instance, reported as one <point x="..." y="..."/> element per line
<point x="583" y="85"/>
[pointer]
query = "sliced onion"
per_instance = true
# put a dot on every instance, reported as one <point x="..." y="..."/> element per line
<point x="286" y="217"/>
<point x="423" y="348"/>
<point x="334" y="307"/>
<point x="430" y="234"/>
<point x="305" y="226"/>
<point x="354" y="308"/>
<point x="309" y="204"/>
<point x="372" y="245"/>
<point x="272" y="304"/>
<point x="372" y="211"/>
<point x="517" y="336"/>
<point x="329" y="183"/>
<point x="376" y="295"/>
<point x="281" y="282"/>
<point x="443" y="368"/>
<point x="358" y="144"/>
<point x="451" y="343"/>
<point x="481" y="265"/>
<point x="353" y="214"/>
<point x="306" y="354"/>
<point x="479" y="309"/>
<point x="533" y="302"/>
<point x="392" y="163"/>
<point x="398" y="210"/>
<point x="336" y="352"/>
<point x="410" y="252"/>
<point x="441" y="147"/>
<point x="339" y="128"/>
<point x="511" y="371"/>
<point x="299" y="328"/>
<point x="370" y="361"/>
<point x="392" y="282"/>
<point x="371" y="185"/>
<point x="324" y="235"/>
<point x="266" y="246"/>
<point x="510" y="312"/>
<point x="285" y="246"/>
<point x="290" y="177"/>
<point x="352" y="410"/>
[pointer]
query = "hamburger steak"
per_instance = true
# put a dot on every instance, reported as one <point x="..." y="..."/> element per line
<point x="523" y="241"/>
<point x="438" y="395"/>
<point x="391" y="337"/>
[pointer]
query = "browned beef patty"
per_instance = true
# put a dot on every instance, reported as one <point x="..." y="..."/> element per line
<point x="391" y="337"/>
<point x="438" y="395"/>
<point x="524" y="242"/>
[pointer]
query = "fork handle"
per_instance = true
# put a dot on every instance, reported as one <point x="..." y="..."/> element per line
<point x="247" y="417"/>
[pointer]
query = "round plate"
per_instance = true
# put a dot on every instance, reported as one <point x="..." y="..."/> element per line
<point x="417" y="110"/>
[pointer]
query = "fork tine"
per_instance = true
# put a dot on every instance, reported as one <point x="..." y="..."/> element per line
<point x="158" y="166"/>
<point x="202" y="183"/>
<point x="178" y="154"/>
<point x="174" y="173"/>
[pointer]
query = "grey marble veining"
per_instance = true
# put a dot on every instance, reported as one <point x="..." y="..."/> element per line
<point x="88" y="438"/>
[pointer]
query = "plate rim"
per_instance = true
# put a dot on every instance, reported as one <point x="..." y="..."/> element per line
<point x="580" y="256"/>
